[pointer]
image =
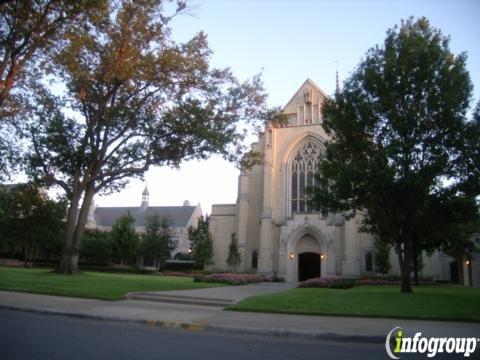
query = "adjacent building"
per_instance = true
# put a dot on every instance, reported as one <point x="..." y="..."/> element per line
<point x="180" y="218"/>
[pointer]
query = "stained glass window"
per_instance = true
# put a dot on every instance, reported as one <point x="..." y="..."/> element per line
<point x="304" y="165"/>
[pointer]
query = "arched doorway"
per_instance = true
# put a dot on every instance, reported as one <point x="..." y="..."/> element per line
<point x="308" y="252"/>
<point x="308" y="266"/>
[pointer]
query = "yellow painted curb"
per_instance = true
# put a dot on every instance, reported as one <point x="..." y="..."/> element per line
<point x="196" y="327"/>
<point x="151" y="323"/>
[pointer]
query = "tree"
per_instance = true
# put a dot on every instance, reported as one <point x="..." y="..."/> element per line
<point x="96" y="246"/>
<point x="382" y="256"/>
<point x="28" y="28"/>
<point x="31" y="221"/>
<point x="234" y="259"/>
<point x="124" y="238"/>
<point x="139" y="100"/>
<point x="157" y="241"/>
<point x="398" y="148"/>
<point x="201" y="242"/>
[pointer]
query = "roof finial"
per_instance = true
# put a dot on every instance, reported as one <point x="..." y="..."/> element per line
<point x="145" y="195"/>
<point x="337" y="83"/>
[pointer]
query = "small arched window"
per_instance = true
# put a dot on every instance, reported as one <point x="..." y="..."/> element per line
<point x="368" y="261"/>
<point x="303" y="168"/>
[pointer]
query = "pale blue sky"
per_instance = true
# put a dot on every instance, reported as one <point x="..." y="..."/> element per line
<point x="289" y="41"/>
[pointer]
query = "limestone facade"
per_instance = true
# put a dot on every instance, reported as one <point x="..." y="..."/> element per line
<point x="277" y="233"/>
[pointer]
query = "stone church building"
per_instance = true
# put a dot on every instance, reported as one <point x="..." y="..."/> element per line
<point x="277" y="231"/>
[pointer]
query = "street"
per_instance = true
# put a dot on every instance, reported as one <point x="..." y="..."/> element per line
<point x="32" y="336"/>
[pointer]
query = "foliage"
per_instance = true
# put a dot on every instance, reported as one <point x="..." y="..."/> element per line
<point x="30" y="222"/>
<point x="233" y="259"/>
<point x="273" y="278"/>
<point x="133" y="99"/>
<point x="231" y="279"/>
<point x="157" y="240"/>
<point x="201" y="242"/>
<point x="179" y="265"/>
<point x="29" y="28"/>
<point x="382" y="256"/>
<point x="399" y="152"/>
<point x="124" y="238"/>
<point x="332" y="283"/>
<point x="96" y="246"/>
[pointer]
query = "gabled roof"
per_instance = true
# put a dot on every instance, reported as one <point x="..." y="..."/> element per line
<point x="307" y="82"/>
<point x="178" y="215"/>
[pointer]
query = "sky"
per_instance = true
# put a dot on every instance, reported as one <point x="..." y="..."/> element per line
<point x="289" y="41"/>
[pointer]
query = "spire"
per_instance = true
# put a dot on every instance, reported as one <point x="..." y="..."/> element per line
<point x="337" y="84"/>
<point x="145" y="195"/>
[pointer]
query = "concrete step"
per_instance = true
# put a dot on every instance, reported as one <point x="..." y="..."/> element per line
<point x="179" y="299"/>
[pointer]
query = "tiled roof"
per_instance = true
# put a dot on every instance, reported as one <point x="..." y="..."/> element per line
<point x="178" y="215"/>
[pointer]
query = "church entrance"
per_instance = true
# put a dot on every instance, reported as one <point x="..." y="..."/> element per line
<point x="308" y="266"/>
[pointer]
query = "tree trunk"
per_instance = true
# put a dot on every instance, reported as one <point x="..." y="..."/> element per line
<point x="75" y="228"/>
<point x="415" y="262"/>
<point x="405" y="269"/>
<point x="461" y="277"/>
<point x="69" y="261"/>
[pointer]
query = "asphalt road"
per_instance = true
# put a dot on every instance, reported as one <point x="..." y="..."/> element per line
<point x="34" y="336"/>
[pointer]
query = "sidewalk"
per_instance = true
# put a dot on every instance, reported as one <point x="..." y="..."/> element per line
<point x="211" y="318"/>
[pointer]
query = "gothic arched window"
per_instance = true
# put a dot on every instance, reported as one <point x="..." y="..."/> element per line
<point x="304" y="166"/>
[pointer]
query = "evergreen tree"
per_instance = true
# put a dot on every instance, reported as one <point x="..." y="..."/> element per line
<point x="124" y="238"/>
<point x="157" y="240"/>
<point x="201" y="243"/>
<point x="234" y="259"/>
<point x="96" y="246"/>
<point x="382" y="256"/>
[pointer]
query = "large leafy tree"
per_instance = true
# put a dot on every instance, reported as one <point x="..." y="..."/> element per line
<point x="30" y="28"/>
<point x="201" y="242"/>
<point x="399" y="151"/>
<point x="133" y="99"/>
<point x="157" y="241"/>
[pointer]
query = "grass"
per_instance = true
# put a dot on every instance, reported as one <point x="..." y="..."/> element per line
<point x="94" y="285"/>
<point x="426" y="302"/>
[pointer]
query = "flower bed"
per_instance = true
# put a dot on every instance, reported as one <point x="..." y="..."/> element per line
<point x="377" y="282"/>
<point x="229" y="278"/>
<point x="332" y="283"/>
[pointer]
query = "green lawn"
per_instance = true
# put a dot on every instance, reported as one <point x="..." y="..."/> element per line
<point x="94" y="285"/>
<point x="427" y="302"/>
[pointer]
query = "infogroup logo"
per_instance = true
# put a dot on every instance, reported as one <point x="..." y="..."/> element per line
<point x="397" y="343"/>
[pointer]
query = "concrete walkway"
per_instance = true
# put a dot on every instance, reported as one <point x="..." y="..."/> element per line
<point x="220" y="296"/>
<point x="205" y="318"/>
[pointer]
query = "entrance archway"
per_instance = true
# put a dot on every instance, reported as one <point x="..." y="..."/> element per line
<point x="308" y="266"/>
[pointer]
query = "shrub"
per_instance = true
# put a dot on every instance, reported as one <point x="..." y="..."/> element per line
<point x="179" y="265"/>
<point x="229" y="278"/>
<point x="117" y="270"/>
<point x="274" y="278"/>
<point x="378" y="281"/>
<point x="332" y="283"/>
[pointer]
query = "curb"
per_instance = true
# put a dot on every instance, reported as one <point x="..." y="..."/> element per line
<point x="200" y="327"/>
